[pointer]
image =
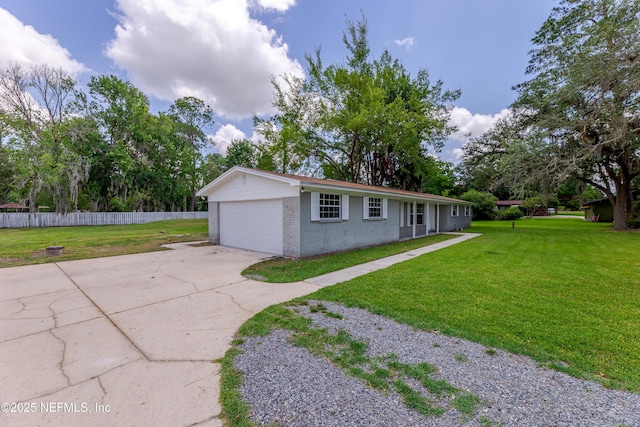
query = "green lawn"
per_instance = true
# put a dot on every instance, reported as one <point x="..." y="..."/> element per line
<point x="560" y="290"/>
<point x="23" y="246"/>
<point x="563" y="291"/>
<point x="281" y="270"/>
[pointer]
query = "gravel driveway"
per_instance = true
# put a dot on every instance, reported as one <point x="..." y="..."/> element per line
<point x="286" y="385"/>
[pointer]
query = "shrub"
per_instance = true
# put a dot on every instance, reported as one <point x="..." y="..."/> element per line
<point x="633" y="222"/>
<point x="484" y="204"/>
<point x="510" y="214"/>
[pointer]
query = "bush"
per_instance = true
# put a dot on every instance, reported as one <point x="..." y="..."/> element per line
<point x="510" y="214"/>
<point x="633" y="222"/>
<point x="484" y="204"/>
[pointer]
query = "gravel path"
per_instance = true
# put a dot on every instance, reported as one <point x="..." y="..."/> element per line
<point x="285" y="385"/>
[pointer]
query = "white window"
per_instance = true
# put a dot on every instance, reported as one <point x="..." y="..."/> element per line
<point x="329" y="206"/>
<point x="467" y="211"/>
<point x="375" y="207"/>
<point x="454" y="210"/>
<point x="419" y="214"/>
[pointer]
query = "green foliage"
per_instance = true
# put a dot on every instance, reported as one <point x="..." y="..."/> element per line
<point x="101" y="150"/>
<point x="584" y="95"/>
<point x="484" y="204"/>
<point x="532" y="205"/>
<point x="362" y="120"/>
<point x="6" y="171"/>
<point x="510" y="214"/>
<point x="577" y="115"/>
<point x="240" y="152"/>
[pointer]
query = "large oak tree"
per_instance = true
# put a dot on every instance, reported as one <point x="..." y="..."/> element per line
<point x="583" y="99"/>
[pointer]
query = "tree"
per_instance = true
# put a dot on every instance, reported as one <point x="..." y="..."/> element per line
<point x="193" y="117"/>
<point x="438" y="176"/>
<point x="213" y="165"/>
<point x="365" y="120"/>
<point x="508" y="157"/>
<point x="240" y="152"/>
<point x="36" y="110"/>
<point x="6" y="172"/>
<point x="484" y="204"/>
<point x="584" y="97"/>
<point x="121" y="112"/>
<point x="290" y="134"/>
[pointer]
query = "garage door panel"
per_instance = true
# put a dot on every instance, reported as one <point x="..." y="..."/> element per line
<point x="252" y="225"/>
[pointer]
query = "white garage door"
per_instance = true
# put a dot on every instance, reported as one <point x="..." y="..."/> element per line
<point x="253" y="225"/>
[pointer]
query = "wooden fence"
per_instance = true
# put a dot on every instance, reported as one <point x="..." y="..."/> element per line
<point x="25" y="220"/>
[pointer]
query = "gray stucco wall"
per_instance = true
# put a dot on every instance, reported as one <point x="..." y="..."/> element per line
<point x="451" y="223"/>
<point x="291" y="226"/>
<point x="214" y="222"/>
<point x="318" y="237"/>
<point x="407" y="231"/>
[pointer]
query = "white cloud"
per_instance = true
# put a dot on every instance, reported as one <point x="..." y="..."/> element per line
<point x="407" y="42"/>
<point x="224" y="136"/>
<point x="213" y="50"/>
<point x="24" y="45"/>
<point x="279" y="5"/>
<point x="469" y="126"/>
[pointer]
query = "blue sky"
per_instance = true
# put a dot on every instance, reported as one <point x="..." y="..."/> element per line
<point x="224" y="51"/>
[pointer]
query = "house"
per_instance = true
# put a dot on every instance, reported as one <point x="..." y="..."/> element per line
<point x="296" y="216"/>
<point x="506" y="204"/>
<point x="598" y="211"/>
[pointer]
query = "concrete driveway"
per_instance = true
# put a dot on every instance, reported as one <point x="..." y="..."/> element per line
<point x="127" y="340"/>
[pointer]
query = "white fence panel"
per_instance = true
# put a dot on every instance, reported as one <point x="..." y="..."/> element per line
<point x="26" y="220"/>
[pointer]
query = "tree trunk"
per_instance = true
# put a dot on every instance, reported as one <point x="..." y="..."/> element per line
<point x="620" y="207"/>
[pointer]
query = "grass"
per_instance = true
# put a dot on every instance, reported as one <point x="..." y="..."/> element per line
<point x="281" y="270"/>
<point x="22" y="246"/>
<point x="384" y="373"/>
<point x="562" y="291"/>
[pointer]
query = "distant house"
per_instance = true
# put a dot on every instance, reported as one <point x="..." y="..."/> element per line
<point x="598" y="211"/>
<point x="506" y="204"/>
<point x="13" y="207"/>
<point x="297" y="216"/>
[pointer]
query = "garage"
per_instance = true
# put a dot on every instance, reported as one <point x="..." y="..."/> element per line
<point x="254" y="225"/>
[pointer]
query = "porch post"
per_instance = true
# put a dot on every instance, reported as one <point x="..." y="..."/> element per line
<point x="437" y="218"/>
<point x="426" y="218"/>
<point x="415" y="217"/>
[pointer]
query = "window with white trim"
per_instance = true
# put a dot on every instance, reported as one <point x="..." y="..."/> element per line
<point x="467" y="211"/>
<point x="454" y="210"/>
<point x="375" y="207"/>
<point x="419" y="214"/>
<point x="330" y="206"/>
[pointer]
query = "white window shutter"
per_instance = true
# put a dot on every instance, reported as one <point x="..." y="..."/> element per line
<point x="345" y="207"/>
<point x="384" y="208"/>
<point x="401" y="214"/>
<point x="365" y="208"/>
<point x="315" y="206"/>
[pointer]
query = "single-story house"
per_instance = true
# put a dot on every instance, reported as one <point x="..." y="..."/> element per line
<point x="12" y="206"/>
<point x="598" y="211"/>
<point x="506" y="204"/>
<point x="297" y="216"/>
